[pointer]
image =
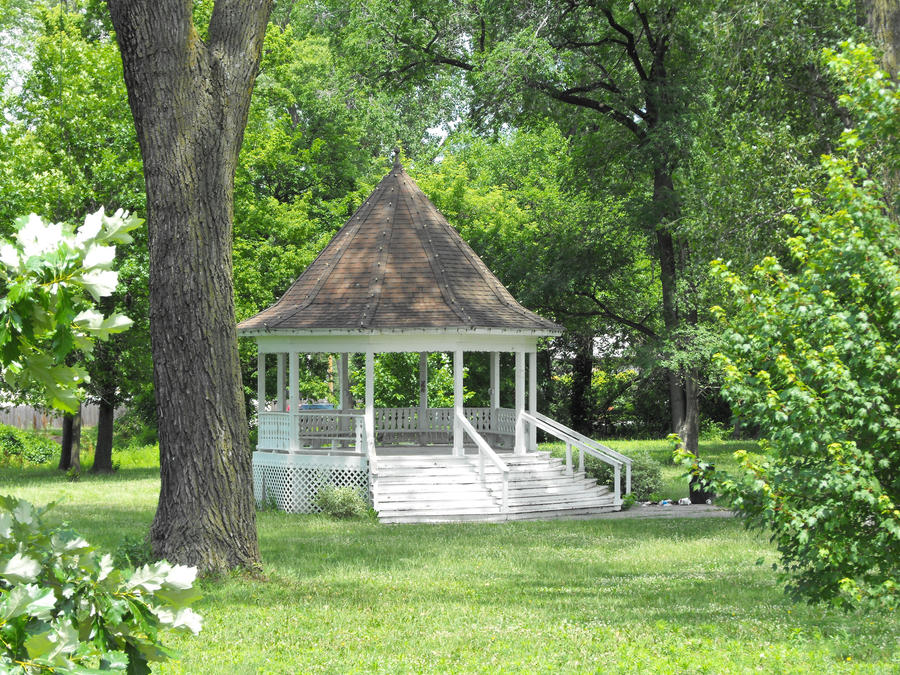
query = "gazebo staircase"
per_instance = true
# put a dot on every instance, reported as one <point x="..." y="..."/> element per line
<point x="434" y="489"/>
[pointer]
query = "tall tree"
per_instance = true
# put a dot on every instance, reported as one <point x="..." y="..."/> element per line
<point x="630" y="81"/>
<point x="190" y="97"/>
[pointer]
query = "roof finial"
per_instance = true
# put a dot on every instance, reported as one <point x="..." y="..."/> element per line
<point x="395" y="156"/>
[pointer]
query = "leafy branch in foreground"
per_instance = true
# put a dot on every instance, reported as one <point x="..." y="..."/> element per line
<point x="64" y="608"/>
<point x="813" y="360"/>
<point x="50" y="278"/>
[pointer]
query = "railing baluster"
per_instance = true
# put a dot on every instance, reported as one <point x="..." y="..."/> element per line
<point x="569" y="459"/>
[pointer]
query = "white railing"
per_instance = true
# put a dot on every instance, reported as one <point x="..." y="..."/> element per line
<point x="334" y="430"/>
<point x="485" y="450"/>
<point x="284" y="431"/>
<point x="585" y="445"/>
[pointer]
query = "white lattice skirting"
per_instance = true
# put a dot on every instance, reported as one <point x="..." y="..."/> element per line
<point x="292" y="481"/>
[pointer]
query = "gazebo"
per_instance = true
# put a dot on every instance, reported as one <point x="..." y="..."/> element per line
<point x="398" y="278"/>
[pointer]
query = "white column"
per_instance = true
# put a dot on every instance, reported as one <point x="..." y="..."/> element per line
<point x="280" y="382"/>
<point x="495" y="379"/>
<point x="532" y="399"/>
<point x="520" y="403"/>
<point x="260" y="384"/>
<point x="423" y="395"/>
<point x="370" y="391"/>
<point x="458" y="449"/>
<point x="344" y="368"/>
<point x="294" y="405"/>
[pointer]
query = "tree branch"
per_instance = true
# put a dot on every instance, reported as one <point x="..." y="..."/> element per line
<point x="573" y="99"/>
<point x="630" y="46"/>
<point x="609" y="314"/>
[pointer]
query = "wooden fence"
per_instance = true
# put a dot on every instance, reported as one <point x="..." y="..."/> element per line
<point x="26" y="417"/>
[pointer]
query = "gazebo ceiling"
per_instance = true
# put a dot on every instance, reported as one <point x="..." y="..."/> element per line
<point x="397" y="265"/>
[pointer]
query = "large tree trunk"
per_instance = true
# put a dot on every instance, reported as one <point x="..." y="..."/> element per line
<point x="103" y="451"/>
<point x="883" y="20"/>
<point x="190" y="101"/>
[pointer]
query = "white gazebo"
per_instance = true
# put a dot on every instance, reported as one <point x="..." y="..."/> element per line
<point x="398" y="278"/>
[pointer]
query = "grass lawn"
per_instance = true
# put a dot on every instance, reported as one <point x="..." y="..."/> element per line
<point x="645" y="596"/>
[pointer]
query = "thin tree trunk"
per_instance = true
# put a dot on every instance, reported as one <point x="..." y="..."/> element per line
<point x="666" y="209"/>
<point x="103" y="451"/>
<point x="582" y="369"/>
<point x="690" y="427"/>
<point x="65" y="452"/>
<point x="190" y="100"/>
<point x="70" y="453"/>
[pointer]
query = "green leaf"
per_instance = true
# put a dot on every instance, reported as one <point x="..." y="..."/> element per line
<point x="20" y="569"/>
<point x="30" y="599"/>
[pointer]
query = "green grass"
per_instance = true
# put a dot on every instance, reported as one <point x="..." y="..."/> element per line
<point x="617" y="596"/>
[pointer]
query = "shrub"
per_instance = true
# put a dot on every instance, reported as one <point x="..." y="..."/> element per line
<point x="811" y="356"/>
<point x="26" y="446"/>
<point x="646" y="474"/>
<point x="341" y="502"/>
<point x="66" y="608"/>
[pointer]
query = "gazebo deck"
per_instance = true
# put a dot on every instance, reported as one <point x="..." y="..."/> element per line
<point x="412" y="472"/>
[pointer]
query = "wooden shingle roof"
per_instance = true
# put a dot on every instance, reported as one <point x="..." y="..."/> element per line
<point x="396" y="265"/>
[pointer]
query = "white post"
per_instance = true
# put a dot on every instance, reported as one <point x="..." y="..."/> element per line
<point x="423" y="396"/>
<point x="344" y="368"/>
<point x="532" y="399"/>
<point x="495" y="388"/>
<point x="520" y="403"/>
<point x="294" y="405"/>
<point x="370" y="391"/>
<point x="260" y="385"/>
<point x="280" y="381"/>
<point x="458" y="449"/>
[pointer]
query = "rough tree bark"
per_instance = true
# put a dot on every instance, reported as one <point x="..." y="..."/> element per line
<point x="190" y="99"/>
<point x="882" y="17"/>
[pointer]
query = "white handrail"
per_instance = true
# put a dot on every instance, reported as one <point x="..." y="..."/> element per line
<point x="585" y="445"/>
<point x="595" y="445"/>
<point x="485" y="449"/>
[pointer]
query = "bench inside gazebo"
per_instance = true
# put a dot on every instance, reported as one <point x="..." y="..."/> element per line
<point x="398" y="278"/>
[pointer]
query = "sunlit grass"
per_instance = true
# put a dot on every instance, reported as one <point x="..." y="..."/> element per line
<point x="618" y="596"/>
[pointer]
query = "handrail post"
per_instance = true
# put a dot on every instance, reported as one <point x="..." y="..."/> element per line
<point x="568" y="459"/>
<point x="581" y="459"/>
<point x="628" y="478"/>
<point x="618" y="487"/>
<point x="505" y="504"/>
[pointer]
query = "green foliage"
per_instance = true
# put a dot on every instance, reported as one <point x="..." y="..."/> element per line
<point x="341" y="502"/>
<point x="66" y="608"/>
<point x="813" y="360"/>
<point x="24" y="446"/>
<point x="49" y="276"/>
